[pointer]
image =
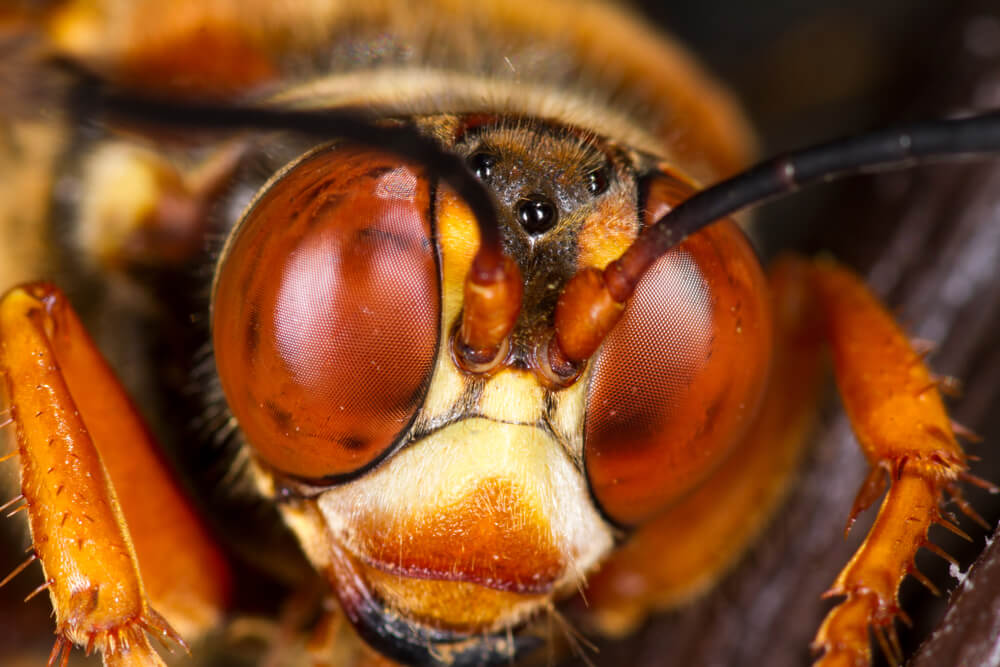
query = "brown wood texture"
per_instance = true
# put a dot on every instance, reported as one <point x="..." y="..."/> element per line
<point x="969" y="634"/>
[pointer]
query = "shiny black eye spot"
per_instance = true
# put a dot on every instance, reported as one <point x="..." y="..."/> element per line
<point x="597" y="182"/>
<point x="483" y="164"/>
<point x="537" y="214"/>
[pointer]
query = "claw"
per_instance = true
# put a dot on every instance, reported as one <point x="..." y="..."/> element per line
<point x="964" y="432"/>
<point x="922" y="578"/>
<point x="61" y="646"/>
<point x="941" y="521"/>
<point x="966" y="508"/>
<point x="158" y="627"/>
<point x="888" y="641"/>
<point x="966" y="476"/>
<point x="941" y="553"/>
<point x="870" y="491"/>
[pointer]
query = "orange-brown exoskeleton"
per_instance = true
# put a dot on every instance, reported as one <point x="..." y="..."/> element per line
<point x="462" y="347"/>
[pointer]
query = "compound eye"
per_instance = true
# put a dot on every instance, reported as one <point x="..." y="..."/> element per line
<point x="679" y="378"/>
<point x="326" y="310"/>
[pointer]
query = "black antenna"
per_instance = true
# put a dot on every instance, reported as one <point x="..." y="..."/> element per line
<point x="887" y="149"/>
<point x="882" y="150"/>
<point x="94" y="97"/>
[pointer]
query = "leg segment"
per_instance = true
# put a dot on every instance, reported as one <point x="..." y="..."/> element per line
<point x="898" y="416"/>
<point x="96" y="517"/>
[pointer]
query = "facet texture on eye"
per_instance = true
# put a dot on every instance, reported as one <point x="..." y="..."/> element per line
<point x="676" y="383"/>
<point x="665" y="336"/>
<point x="326" y="312"/>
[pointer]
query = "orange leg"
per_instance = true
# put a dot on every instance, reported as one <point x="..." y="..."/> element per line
<point x="101" y="505"/>
<point x="898" y="416"/>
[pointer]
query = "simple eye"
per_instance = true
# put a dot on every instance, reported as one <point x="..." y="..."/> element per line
<point x="483" y="165"/>
<point x="326" y="310"/>
<point x="597" y="182"/>
<point x="675" y="384"/>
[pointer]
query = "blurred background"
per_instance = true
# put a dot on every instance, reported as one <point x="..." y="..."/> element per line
<point x="813" y="70"/>
<point x="927" y="240"/>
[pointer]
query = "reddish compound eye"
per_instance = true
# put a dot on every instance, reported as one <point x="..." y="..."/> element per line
<point x="326" y="312"/>
<point x="677" y="381"/>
